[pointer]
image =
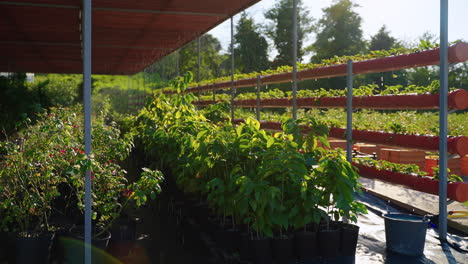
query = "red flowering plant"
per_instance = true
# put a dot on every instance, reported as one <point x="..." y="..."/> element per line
<point x="112" y="194"/>
<point x="111" y="191"/>
<point x="31" y="169"/>
<point x="42" y="173"/>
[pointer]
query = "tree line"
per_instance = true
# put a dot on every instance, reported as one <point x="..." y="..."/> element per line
<point x="337" y="33"/>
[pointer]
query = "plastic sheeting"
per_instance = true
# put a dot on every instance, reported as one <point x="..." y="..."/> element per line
<point x="372" y="248"/>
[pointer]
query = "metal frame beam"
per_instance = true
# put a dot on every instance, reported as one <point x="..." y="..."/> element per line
<point x="79" y="45"/>
<point x="141" y="11"/>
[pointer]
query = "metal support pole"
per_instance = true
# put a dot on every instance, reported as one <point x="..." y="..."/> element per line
<point x="214" y="93"/>
<point x="87" y="122"/>
<point x="233" y="91"/>
<point x="199" y="65"/>
<point x="443" y="119"/>
<point x="198" y="59"/>
<point x="258" y="97"/>
<point x="177" y="61"/>
<point x="128" y="93"/>
<point x="294" y="77"/>
<point x="349" y="111"/>
<point x="152" y="80"/>
<point x="143" y="96"/>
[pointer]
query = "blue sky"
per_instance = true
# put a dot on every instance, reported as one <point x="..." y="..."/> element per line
<point x="406" y="19"/>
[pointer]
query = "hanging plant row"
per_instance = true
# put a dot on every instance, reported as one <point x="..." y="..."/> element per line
<point x="457" y="100"/>
<point x="457" y="191"/>
<point x="457" y="53"/>
<point x="455" y="145"/>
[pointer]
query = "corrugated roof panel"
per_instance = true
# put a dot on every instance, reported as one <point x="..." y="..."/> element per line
<point x="45" y="35"/>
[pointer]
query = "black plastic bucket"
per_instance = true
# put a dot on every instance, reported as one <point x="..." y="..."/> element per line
<point x="405" y="234"/>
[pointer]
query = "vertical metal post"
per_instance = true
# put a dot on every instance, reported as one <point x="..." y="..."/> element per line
<point x="128" y="93"/>
<point x="87" y="121"/>
<point x="177" y="62"/>
<point x="152" y="79"/>
<point x="214" y="93"/>
<point x="198" y="59"/>
<point x="258" y="97"/>
<point x="233" y="91"/>
<point x="349" y="111"/>
<point x="443" y="120"/>
<point x="294" y="77"/>
<point x="199" y="66"/>
<point x="143" y="96"/>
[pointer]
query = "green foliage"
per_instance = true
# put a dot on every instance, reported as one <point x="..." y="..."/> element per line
<point x="280" y="27"/>
<point x="338" y="32"/>
<point x="339" y="183"/>
<point x="17" y="102"/>
<point x="383" y="41"/>
<point x="254" y="177"/>
<point x="211" y="59"/>
<point x="404" y="122"/>
<point x="42" y="173"/>
<point x="450" y="177"/>
<point x="251" y="49"/>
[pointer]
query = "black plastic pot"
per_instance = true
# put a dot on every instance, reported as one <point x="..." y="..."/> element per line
<point x="244" y="250"/>
<point x="3" y="246"/>
<point x="329" y="241"/>
<point x="220" y="234"/>
<point x="123" y="238"/>
<point x="349" y="238"/>
<point x="123" y="230"/>
<point x="232" y="239"/>
<point x="261" y="251"/>
<point x="73" y="246"/>
<point x="33" y="249"/>
<point x="282" y="250"/>
<point x="306" y="245"/>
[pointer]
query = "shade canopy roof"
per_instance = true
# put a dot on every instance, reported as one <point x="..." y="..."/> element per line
<point x="44" y="36"/>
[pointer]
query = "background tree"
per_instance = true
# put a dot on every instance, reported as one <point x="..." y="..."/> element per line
<point x="382" y="40"/>
<point x="211" y="59"/>
<point x="338" y="32"/>
<point x="279" y="30"/>
<point x="251" y="48"/>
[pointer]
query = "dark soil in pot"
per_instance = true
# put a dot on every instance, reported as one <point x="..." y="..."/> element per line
<point x="329" y="241"/>
<point x="349" y="238"/>
<point x="33" y="249"/>
<point x="261" y="250"/>
<point x="282" y="250"/>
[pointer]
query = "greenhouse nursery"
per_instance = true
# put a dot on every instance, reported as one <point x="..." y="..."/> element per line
<point x="134" y="138"/>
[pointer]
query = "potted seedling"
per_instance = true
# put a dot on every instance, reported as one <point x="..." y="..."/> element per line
<point x="339" y="183"/>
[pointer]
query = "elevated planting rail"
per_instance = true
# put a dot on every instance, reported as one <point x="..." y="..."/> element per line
<point x="457" y="53"/>
<point x="456" y="191"/>
<point x="456" y="145"/>
<point x="457" y="100"/>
